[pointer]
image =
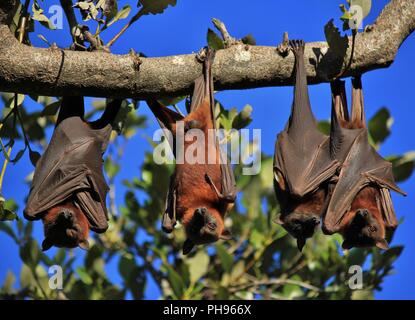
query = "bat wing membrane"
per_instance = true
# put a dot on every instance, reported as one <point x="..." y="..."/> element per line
<point x="72" y="165"/>
<point x="362" y="166"/>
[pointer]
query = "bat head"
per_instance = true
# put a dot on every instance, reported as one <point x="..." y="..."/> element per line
<point x="205" y="226"/>
<point x="365" y="230"/>
<point x="300" y="225"/>
<point x="65" y="226"/>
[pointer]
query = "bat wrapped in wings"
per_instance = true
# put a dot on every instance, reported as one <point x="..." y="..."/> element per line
<point x="68" y="190"/>
<point x="302" y="162"/>
<point x="360" y="206"/>
<point x="201" y="192"/>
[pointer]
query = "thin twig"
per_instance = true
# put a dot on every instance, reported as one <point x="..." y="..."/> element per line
<point x="272" y="282"/>
<point x="227" y="39"/>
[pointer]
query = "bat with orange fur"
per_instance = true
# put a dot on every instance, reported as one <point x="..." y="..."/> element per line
<point x="201" y="192"/>
<point x="360" y="206"/>
<point x="302" y="162"/>
<point x="68" y="190"/>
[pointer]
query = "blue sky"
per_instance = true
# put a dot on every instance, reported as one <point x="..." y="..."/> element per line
<point x="182" y="29"/>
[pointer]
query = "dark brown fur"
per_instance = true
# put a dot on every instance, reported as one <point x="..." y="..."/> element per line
<point x="302" y="163"/>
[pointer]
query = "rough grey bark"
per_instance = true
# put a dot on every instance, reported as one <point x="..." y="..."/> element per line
<point x="57" y="72"/>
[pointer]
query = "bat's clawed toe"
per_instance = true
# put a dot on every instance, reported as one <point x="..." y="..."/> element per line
<point x="297" y="45"/>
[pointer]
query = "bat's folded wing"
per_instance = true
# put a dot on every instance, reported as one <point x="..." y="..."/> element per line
<point x="304" y="165"/>
<point x="169" y="215"/>
<point x="72" y="167"/>
<point x="362" y="166"/>
<point x="228" y="178"/>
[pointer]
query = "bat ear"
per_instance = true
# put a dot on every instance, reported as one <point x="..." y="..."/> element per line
<point x="226" y="235"/>
<point x="278" y="220"/>
<point x="382" y="244"/>
<point x="300" y="243"/>
<point x="47" y="244"/>
<point x="84" y="244"/>
<point x="346" y="245"/>
<point x="187" y="246"/>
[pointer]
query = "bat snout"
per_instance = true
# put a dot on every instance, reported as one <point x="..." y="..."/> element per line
<point x="301" y="225"/>
<point x="66" y="215"/>
<point x="363" y="213"/>
<point x="203" y="228"/>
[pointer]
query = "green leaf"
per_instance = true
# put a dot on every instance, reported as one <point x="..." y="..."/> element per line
<point x="171" y="101"/>
<point x="402" y="166"/>
<point x="176" y="282"/>
<point x="122" y="14"/>
<point x="6" y="228"/>
<point x="379" y="126"/>
<point x="34" y="157"/>
<point x="111" y="168"/>
<point x="243" y="119"/>
<point x="126" y="265"/>
<point x="9" y="282"/>
<point x="18" y="156"/>
<point x="51" y="109"/>
<point x="84" y="276"/>
<point x="155" y="6"/>
<point x="198" y="265"/>
<point x="30" y="253"/>
<point x="225" y="258"/>
<point x="213" y="40"/>
<point x="60" y="256"/>
<point x="390" y="255"/>
<point x="324" y="127"/>
<point x="362" y="295"/>
<point x="257" y="239"/>
<point x="7" y="215"/>
<point x="249" y="39"/>
<point x="26" y="277"/>
<point x="356" y="256"/>
<point x="40" y="17"/>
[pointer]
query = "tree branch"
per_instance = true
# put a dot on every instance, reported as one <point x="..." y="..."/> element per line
<point x="55" y="72"/>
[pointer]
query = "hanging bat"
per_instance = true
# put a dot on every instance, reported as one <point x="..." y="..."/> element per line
<point x="200" y="194"/>
<point x="68" y="190"/>
<point x="360" y="207"/>
<point x="302" y="162"/>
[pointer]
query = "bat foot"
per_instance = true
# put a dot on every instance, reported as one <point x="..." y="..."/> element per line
<point x="297" y="46"/>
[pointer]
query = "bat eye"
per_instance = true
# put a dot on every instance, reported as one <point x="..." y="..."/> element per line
<point x="211" y="225"/>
